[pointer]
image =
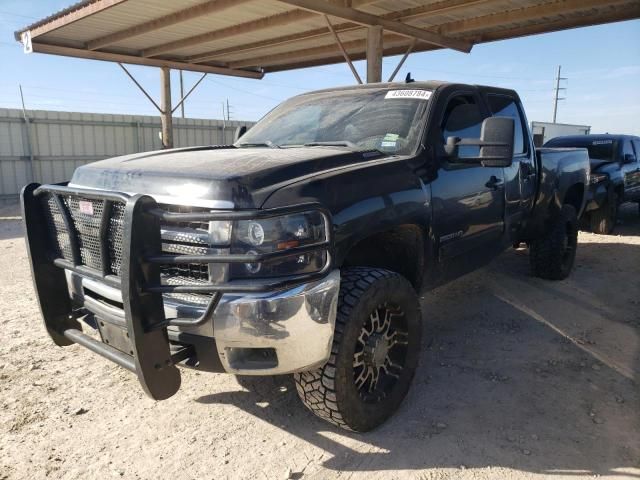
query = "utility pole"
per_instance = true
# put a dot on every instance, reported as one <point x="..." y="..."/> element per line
<point x="181" y="95"/>
<point x="27" y="120"/>
<point x="557" y="92"/>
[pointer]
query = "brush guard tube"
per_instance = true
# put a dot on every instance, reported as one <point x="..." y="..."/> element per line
<point x="140" y="343"/>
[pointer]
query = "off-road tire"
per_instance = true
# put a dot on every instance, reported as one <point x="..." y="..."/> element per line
<point x="553" y="254"/>
<point x="330" y="392"/>
<point x="603" y="220"/>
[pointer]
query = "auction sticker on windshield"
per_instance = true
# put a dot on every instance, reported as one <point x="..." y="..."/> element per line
<point x="417" y="94"/>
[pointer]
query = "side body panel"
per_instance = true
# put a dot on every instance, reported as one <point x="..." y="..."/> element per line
<point x="393" y="195"/>
<point x="562" y="171"/>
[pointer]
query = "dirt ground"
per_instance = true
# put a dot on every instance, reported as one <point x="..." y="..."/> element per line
<point x="520" y="378"/>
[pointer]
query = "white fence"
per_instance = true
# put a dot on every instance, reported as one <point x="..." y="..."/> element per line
<point x="50" y="146"/>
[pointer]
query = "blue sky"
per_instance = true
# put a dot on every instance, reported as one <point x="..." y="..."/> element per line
<point x="602" y="64"/>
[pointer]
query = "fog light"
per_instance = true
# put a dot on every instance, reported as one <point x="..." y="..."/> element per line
<point x="252" y="268"/>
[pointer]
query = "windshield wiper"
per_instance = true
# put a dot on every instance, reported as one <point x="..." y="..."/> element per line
<point x="268" y="144"/>
<point x="344" y="143"/>
<point x="333" y="143"/>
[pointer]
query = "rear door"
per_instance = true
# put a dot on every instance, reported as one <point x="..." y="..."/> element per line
<point x="520" y="177"/>
<point x="468" y="199"/>
<point x="629" y="170"/>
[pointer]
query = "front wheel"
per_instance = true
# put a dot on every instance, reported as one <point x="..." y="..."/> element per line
<point x="603" y="220"/>
<point x="553" y="254"/>
<point x="374" y="355"/>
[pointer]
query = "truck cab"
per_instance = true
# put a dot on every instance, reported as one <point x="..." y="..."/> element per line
<point x="303" y="248"/>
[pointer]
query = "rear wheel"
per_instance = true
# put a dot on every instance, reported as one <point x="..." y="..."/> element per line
<point x="374" y="354"/>
<point x="603" y="220"/>
<point x="553" y="254"/>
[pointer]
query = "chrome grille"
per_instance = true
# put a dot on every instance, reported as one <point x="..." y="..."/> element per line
<point x="184" y="238"/>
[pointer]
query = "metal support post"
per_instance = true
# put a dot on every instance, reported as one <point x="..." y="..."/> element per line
<point x="166" y="116"/>
<point x="182" y="97"/>
<point x="374" y="54"/>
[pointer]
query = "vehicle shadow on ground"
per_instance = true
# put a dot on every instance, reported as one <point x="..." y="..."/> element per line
<point x="520" y="375"/>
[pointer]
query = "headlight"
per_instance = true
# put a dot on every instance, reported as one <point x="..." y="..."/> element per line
<point x="596" y="178"/>
<point x="279" y="234"/>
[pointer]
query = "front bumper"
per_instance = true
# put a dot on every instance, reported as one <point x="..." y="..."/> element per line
<point x="257" y="327"/>
<point x="268" y="333"/>
<point x="597" y="196"/>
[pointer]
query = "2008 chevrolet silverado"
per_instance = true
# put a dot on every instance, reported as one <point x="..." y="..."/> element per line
<point x="302" y="247"/>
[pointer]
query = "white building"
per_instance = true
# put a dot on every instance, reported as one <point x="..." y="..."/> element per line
<point x="545" y="131"/>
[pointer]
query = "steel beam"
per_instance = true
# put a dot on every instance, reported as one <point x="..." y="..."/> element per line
<point x="401" y="62"/>
<point x="207" y="8"/>
<point x="343" y="51"/>
<point x="286" y="18"/>
<point x="446" y="6"/>
<point x="135" y="60"/>
<point x="522" y="15"/>
<point x="67" y="16"/>
<point x="353" y="48"/>
<point x="146" y="94"/>
<point x="366" y="19"/>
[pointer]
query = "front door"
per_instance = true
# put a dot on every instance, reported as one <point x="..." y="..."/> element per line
<point x="468" y="199"/>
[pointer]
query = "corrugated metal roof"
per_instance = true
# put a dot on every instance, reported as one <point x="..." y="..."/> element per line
<point x="249" y="37"/>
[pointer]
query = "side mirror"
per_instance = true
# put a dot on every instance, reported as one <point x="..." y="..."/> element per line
<point x="240" y="131"/>
<point x="495" y="142"/>
<point x="629" y="158"/>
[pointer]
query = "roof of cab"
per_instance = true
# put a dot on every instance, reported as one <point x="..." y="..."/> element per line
<point x="594" y="137"/>
<point x="426" y="84"/>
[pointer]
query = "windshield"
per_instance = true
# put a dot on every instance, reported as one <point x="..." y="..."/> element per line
<point x="598" y="149"/>
<point x="386" y="120"/>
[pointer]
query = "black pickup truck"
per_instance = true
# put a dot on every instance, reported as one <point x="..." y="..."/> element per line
<point x="303" y="247"/>
<point x="615" y="175"/>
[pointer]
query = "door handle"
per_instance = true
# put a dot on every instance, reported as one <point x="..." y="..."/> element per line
<point x="494" y="183"/>
<point x="526" y="169"/>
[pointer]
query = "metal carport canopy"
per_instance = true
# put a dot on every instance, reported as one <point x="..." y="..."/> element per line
<point x="248" y="38"/>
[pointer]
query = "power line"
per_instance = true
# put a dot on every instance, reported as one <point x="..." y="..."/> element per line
<point x="4" y="12"/>
<point x="244" y="91"/>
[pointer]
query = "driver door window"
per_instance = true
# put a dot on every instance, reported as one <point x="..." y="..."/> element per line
<point x="463" y="118"/>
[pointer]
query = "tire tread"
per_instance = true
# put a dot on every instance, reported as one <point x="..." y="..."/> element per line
<point x="317" y="388"/>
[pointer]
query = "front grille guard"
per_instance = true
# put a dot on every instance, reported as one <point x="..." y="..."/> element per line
<point x="143" y="344"/>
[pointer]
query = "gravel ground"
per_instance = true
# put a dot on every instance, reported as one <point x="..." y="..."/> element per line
<point x="520" y="378"/>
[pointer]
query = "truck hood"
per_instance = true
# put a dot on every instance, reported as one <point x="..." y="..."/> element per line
<point x="598" y="165"/>
<point x="221" y="177"/>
